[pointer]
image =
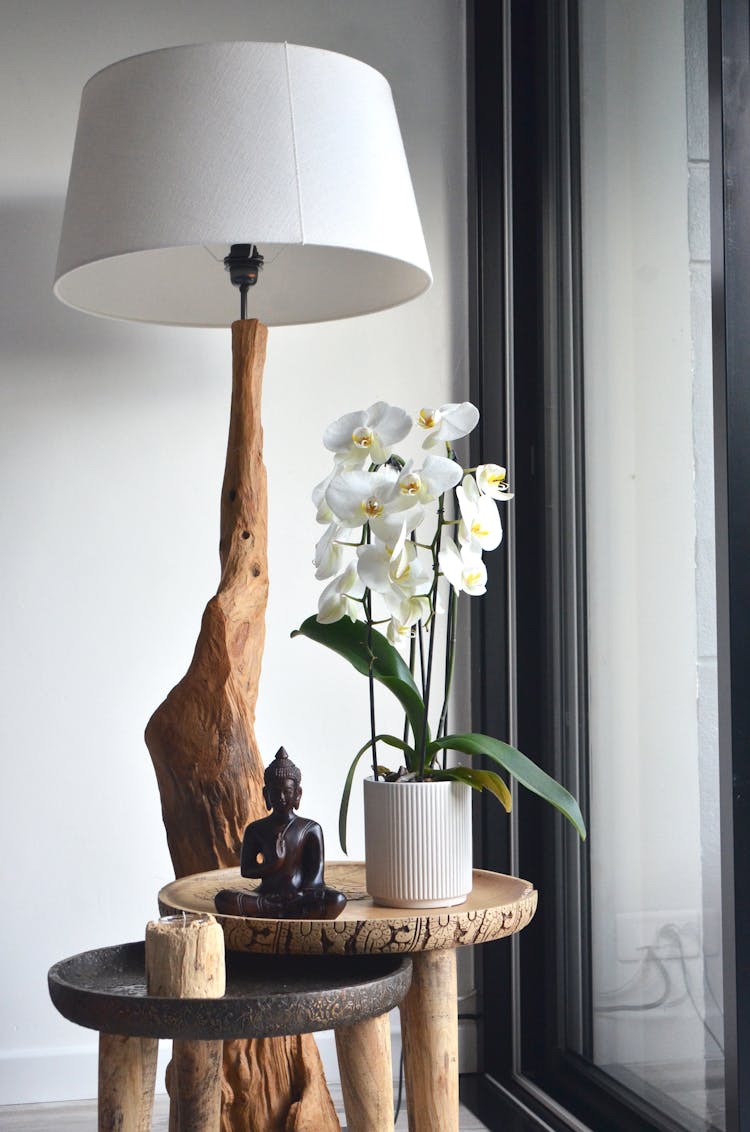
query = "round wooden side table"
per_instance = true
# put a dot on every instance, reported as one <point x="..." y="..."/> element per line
<point x="106" y="990"/>
<point x="498" y="906"/>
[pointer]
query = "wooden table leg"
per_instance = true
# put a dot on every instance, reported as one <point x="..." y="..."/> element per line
<point x="196" y="1079"/>
<point x="364" y="1053"/>
<point x="127" y="1073"/>
<point x="429" y="1032"/>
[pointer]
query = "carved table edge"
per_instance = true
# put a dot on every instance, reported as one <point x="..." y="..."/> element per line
<point x="404" y="933"/>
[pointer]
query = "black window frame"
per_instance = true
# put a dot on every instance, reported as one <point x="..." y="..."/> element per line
<point x="527" y="635"/>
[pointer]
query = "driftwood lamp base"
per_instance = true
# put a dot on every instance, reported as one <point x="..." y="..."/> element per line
<point x="202" y="744"/>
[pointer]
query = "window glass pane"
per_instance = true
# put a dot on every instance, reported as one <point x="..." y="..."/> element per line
<point x="654" y="824"/>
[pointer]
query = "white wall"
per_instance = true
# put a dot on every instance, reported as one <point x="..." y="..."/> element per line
<point x="111" y="456"/>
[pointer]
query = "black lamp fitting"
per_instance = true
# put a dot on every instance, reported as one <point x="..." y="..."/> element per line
<point x="244" y="264"/>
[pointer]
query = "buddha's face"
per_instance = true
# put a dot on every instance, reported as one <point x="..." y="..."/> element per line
<point x="283" y="795"/>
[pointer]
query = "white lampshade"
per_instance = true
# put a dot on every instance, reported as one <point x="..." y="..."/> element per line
<point x="182" y="152"/>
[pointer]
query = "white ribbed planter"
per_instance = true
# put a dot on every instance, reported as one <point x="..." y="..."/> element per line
<point x="418" y="843"/>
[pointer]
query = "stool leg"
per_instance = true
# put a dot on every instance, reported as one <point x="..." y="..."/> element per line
<point x="127" y="1072"/>
<point x="364" y="1053"/>
<point x="195" y="1086"/>
<point x="429" y="1032"/>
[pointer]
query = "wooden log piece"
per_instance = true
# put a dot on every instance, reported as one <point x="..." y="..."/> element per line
<point x="364" y="1055"/>
<point x="185" y="959"/>
<point x="429" y="1029"/>
<point x="127" y="1074"/>
<point x="202" y="744"/>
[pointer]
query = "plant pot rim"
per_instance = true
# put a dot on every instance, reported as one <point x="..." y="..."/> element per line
<point x="414" y="782"/>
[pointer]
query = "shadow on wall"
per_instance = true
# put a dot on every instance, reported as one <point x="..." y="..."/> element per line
<point x="34" y="324"/>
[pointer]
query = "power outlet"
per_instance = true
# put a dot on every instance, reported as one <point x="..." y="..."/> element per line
<point x="672" y="934"/>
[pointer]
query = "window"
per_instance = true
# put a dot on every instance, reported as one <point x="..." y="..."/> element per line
<point x="603" y="649"/>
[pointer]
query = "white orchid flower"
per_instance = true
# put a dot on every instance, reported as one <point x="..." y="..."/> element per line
<point x="393" y="570"/>
<point x="330" y="555"/>
<point x="448" y="423"/>
<point x="323" y="513"/>
<point x="358" y="497"/>
<point x="373" y="567"/>
<point x="492" y="480"/>
<point x="366" y="435"/>
<point x="405" y="613"/>
<point x="433" y="479"/>
<point x="407" y="571"/>
<point x="337" y="599"/>
<point x="397" y="633"/>
<point x="463" y="568"/>
<point x="389" y="525"/>
<point x="480" y="521"/>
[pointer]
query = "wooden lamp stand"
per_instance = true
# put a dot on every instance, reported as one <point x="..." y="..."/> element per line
<point x="202" y="744"/>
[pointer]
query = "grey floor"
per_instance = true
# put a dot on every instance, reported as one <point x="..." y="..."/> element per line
<point x="80" y="1116"/>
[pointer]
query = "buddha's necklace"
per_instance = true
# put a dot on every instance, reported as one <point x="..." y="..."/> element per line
<point x="281" y="837"/>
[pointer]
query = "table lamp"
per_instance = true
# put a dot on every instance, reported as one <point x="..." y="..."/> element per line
<point x="279" y="169"/>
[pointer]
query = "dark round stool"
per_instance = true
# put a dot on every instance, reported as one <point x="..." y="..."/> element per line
<point x="266" y="996"/>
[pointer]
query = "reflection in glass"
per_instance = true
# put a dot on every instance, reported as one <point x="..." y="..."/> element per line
<point x="657" y="991"/>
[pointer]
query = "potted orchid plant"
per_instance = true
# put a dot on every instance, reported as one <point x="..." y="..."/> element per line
<point x="403" y="542"/>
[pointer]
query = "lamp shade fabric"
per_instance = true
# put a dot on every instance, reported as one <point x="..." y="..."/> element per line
<point x="182" y="152"/>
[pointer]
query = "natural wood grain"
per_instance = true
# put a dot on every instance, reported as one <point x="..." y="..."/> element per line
<point x="185" y="959"/>
<point x="497" y="906"/>
<point x="196" y="1083"/>
<point x="202" y="738"/>
<point x="429" y="1026"/>
<point x="364" y="1055"/>
<point x="127" y="1073"/>
<point x="203" y="747"/>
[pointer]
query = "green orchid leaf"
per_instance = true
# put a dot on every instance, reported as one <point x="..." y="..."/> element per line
<point x="391" y="741"/>
<point x="522" y="768"/>
<point x="478" y="780"/>
<point x="351" y="640"/>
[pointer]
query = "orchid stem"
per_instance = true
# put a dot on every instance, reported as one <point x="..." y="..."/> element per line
<point x="372" y="725"/>
<point x="370" y="676"/>
<point x="422" y="668"/>
<point x="423" y="738"/>
<point x="412" y="661"/>
<point x="450" y="659"/>
<point x="431" y="650"/>
<point x="420" y="632"/>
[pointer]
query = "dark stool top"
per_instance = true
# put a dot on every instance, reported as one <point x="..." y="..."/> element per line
<point x="266" y="996"/>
